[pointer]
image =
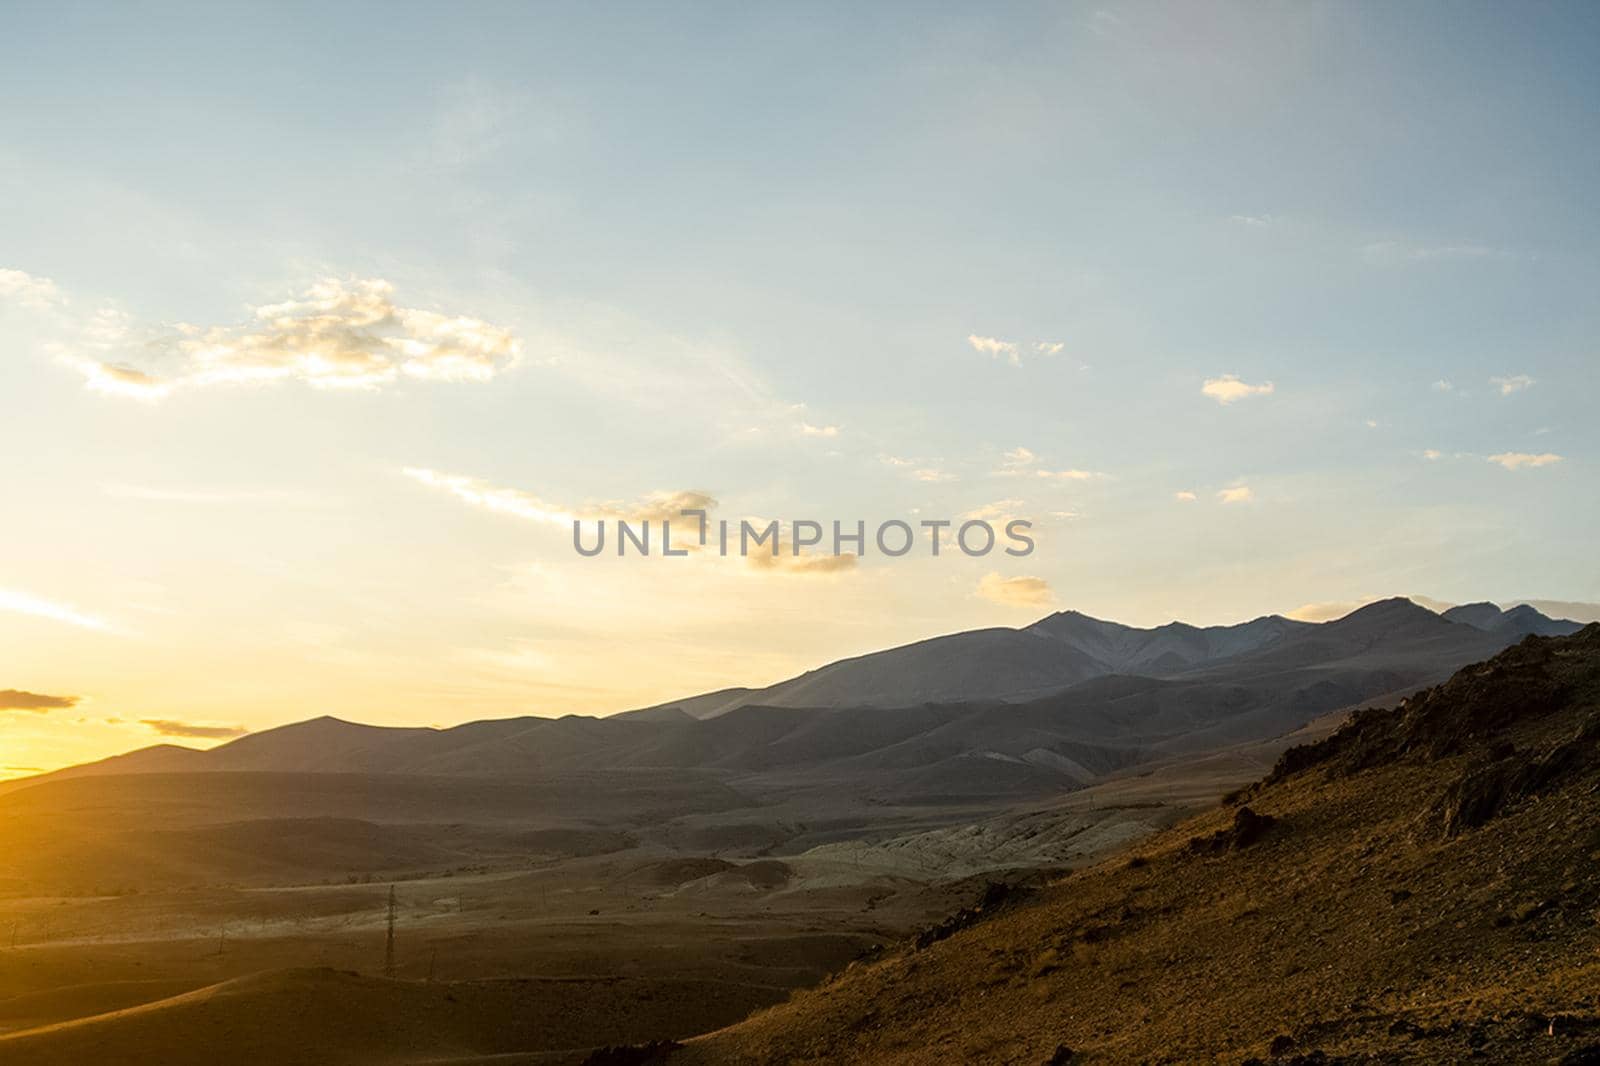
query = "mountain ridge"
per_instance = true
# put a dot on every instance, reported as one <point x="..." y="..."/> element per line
<point x="1203" y="687"/>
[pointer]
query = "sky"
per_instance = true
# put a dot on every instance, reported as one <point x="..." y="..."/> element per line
<point x="317" y="325"/>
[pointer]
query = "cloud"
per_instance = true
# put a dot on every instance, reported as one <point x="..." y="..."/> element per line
<point x="22" y="603"/>
<point x="1514" y="383"/>
<point x="808" y="430"/>
<point x="1069" y="475"/>
<point x="1019" y="462"/>
<point x="654" y="507"/>
<point x="933" y="475"/>
<point x="335" y="335"/>
<point x="994" y="348"/>
<point x="119" y="379"/>
<point x="786" y="562"/>
<point x="1326" y="611"/>
<point x="778" y="556"/>
<point x="1253" y="221"/>
<point x="1431" y="454"/>
<point x="1229" y="389"/>
<point x="1184" y="496"/>
<point x="1236" y="494"/>
<point x="168" y="728"/>
<point x="1015" y="591"/>
<point x="996" y="514"/>
<point x="34" y="293"/>
<point x="12" y="699"/>
<point x="895" y="460"/>
<point x="1518" y="460"/>
<point x="513" y="502"/>
<point x="1443" y="386"/>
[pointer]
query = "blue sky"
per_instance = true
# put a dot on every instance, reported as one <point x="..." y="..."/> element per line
<point x="782" y="256"/>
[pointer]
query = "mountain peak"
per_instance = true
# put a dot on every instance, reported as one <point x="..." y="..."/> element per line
<point x="1393" y="607"/>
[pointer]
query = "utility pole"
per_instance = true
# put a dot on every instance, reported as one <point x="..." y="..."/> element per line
<point x="388" y="948"/>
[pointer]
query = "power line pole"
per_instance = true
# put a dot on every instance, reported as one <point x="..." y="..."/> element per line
<point x="388" y="948"/>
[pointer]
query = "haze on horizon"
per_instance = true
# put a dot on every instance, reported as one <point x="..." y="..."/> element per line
<point x="313" y="340"/>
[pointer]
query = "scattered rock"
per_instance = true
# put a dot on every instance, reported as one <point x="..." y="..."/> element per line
<point x="1248" y="827"/>
<point x="632" y="1054"/>
<point x="996" y="895"/>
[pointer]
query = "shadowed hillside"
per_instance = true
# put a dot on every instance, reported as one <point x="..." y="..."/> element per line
<point x="1420" y="887"/>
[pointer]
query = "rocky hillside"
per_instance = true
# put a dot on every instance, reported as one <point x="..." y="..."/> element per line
<point x="1420" y="887"/>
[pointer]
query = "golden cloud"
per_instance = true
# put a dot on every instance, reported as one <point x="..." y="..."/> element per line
<point x="804" y="563"/>
<point x="1518" y="460"/>
<point x="12" y="699"/>
<point x="335" y="335"/>
<point x="1015" y="591"/>
<point x="1229" y="389"/>
<point x="169" y="728"/>
<point x="654" y="507"/>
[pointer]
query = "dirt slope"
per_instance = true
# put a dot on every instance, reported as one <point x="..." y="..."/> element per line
<point x="1421" y="887"/>
<point x="331" y="1018"/>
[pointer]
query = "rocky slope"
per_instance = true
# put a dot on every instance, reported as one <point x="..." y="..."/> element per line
<point x="1419" y="887"/>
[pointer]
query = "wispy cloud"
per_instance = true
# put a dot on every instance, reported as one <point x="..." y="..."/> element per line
<point x="1443" y="385"/>
<point x="656" y="506"/>
<point x="12" y="699"/>
<point x="1236" y="494"/>
<point x="119" y="379"/>
<point x="1432" y="454"/>
<point x="1019" y="462"/>
<point x="1325" y="611"/>
<point x="23" y="603"/>
<point x="1511" y="384"/>
<point x="1394" y="251"/>
<point x="335" y="335"/>
<point x="34" y="293"/>
<point x="806" y="563"/>
<point x="1018" y="456"/>
<point x="1069" y="475"/>
<point x="1015" y="591"/>
<point x="1184" y="496"/>
<point x="1011" y="351"/>
<point x="168" y="727"/>
<point x="997" y="513"/>
<point x="1229" y="389"/>
<point x="808" y="430"/>
<point x="513" y="502"/>
<point x="1518" y="460"/>
<point x="933" y="475"/>
<point x="995" y="348"/>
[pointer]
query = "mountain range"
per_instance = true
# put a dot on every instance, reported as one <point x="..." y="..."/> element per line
<point x="984" y="716"/>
